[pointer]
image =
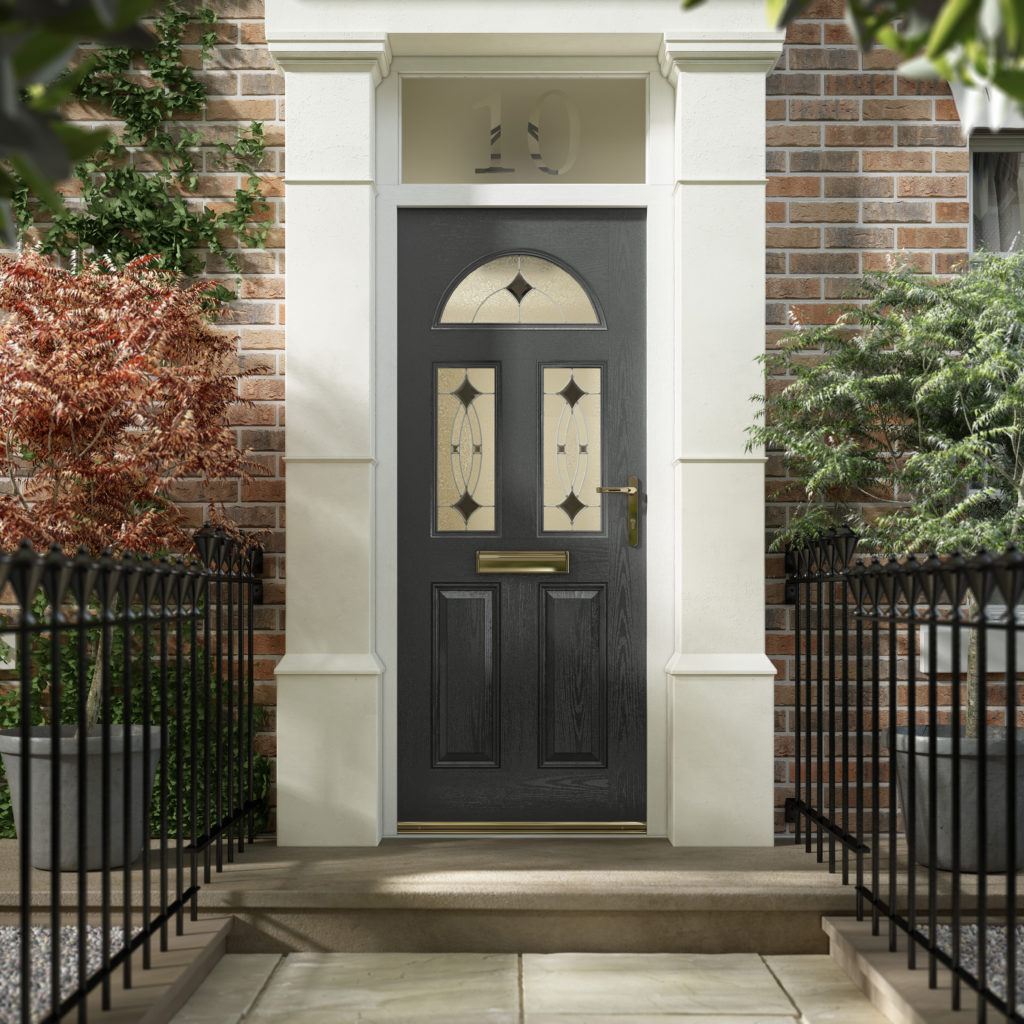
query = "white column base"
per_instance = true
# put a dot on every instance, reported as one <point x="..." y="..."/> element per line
<point x="328" y="750"/>
<point x="722" y="750"/>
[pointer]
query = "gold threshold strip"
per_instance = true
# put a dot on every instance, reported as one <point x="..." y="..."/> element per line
<point x="523" y="827"/>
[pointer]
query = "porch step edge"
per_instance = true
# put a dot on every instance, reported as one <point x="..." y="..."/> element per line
<point x="901" y="995"/>
<point x="532" y="896"/>
<point x="163" y="989"/>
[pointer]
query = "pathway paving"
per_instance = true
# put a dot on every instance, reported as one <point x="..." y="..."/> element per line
<point x="529" y="988"/>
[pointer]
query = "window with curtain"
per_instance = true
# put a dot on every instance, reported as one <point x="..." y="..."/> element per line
<point x="997" y="200"/>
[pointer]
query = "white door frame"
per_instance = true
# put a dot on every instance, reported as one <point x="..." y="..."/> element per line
<point x="710" y="686"/>
<point x="656" y="198"/>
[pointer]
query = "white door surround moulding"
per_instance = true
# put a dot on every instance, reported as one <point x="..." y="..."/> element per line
<point x="330" y="665"/>
<point x="730" y="52"/>
<point x="762" y="459"/>
<point x="734" y="665"/>
<point x="336" y="684"/>
<point x="762" y="182"/>
<point x="558" y="27"/>
<point x="367" y="459"/>
<point x="291" y="179"/>
<point x="312" y="53"/>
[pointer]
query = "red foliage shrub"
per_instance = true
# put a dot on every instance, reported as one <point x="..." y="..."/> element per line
<point x="112" y="385"/>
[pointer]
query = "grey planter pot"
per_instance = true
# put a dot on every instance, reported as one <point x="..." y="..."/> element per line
<point x="995" y="801"/>
<point x="41" y="744"/>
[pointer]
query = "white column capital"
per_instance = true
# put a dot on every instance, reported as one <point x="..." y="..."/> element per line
<point x="322" y="52"/>
<point x="724" y="51"/>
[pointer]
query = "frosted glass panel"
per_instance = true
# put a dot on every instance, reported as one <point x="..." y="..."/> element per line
<point x="997" y="181"/>
<point x="571" y="448"/>
<point x="465" y="448"/>
<point x="520" y="129"/>
<point x="519" y="289"/>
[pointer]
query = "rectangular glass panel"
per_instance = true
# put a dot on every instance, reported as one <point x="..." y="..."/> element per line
<point x="515" y="130"/>
<point x="571" y="453"/>
<point x="465" y="449"/>
<point x="998" y="200"/>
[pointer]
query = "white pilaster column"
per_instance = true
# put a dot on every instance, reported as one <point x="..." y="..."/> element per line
<point x="329" y="681"/>
<point x="720" y="683"/>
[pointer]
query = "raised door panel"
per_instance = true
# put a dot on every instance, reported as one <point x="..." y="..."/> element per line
<point x="466" y="691"/>
<point x="573" y="702"/>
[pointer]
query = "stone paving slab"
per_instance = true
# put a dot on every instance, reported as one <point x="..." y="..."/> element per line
<point x="323" y="988"/>
<point x="650" y="983"/>
<point x="823" y="990"/>
<point x="655" y="1018"/>
<point x="229" y="990"/>
<point x="559" y="988"/>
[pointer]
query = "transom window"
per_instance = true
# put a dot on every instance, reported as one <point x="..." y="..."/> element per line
<point x="519" y="288"/>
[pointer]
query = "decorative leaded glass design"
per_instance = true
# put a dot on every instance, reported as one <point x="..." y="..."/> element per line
<point x="465" y="448"/>
<point x="571" y="454"/>
<point x="519" y="288"/>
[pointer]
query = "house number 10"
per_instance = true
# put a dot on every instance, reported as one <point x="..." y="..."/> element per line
<point x="492" y="104"/>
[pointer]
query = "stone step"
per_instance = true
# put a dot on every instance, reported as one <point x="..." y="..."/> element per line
<point x="527" y="895"/>
<point x="502" y="895"/>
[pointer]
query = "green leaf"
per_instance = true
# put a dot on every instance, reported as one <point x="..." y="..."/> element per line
<point x="43" y="54"/>
<point x="1011" y="81"/>
<point x="61" y="90"/>
<point x="1013" y="24"/>
<point x="37" y="181"/>
<point x="80" y="142"/>
<point x="955" y="23"/>
<point x="782" y="12"/>
<point x="919" y="67"/>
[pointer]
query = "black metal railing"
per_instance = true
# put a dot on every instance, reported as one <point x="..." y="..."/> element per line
<point x="166" y="782"/>
<point x="894" y="658"/>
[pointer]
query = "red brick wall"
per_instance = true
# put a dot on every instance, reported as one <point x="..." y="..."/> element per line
<point x="864" y="168"/>
<point x="243" y="86"/>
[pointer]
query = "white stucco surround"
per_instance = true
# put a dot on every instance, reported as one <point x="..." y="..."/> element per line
<point x="710" y="686"/>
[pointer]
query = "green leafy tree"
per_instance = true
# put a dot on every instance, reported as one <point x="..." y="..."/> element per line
<point x="910" y="428"/>
<point x="129" y="206"/>
<point x="977" y="42"/>
<point x="37" y="40"/>
<point x="905" y="419"/>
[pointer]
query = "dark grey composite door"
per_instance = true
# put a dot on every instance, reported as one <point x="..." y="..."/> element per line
<point x="521" y="382"/>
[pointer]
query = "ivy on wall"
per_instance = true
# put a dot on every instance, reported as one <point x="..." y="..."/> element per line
<point x="139" y="190"/>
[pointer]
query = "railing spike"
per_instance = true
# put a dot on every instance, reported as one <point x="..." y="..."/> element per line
<point x="931" y="581"/>
<point x="57" y="571"/>
<point x="979" y="577"/>
<point x="203" y="540"/>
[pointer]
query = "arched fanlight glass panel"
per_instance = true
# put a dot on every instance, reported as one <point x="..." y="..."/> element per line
<point x="519" y="289"/>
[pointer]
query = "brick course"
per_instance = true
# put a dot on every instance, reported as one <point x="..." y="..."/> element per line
<point x="892" y="187"/>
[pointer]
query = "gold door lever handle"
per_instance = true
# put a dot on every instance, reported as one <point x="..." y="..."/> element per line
<point x="632" y="491"/>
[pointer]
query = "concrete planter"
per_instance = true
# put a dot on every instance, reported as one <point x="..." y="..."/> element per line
<point x="41" y="745"/>
<point x="995" y="802"/>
